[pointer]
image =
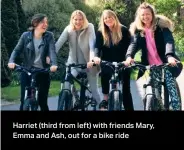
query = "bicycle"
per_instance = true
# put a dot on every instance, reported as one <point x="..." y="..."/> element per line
<point x="69" y="98"/>
<point x="156" y="102"/>
<point x="115" y="100"/>
<point x="31" y="91"/>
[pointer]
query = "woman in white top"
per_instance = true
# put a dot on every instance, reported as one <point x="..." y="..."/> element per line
<point x="81" y="37"/>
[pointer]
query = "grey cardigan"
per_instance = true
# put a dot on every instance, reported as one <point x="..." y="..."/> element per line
<point x="86" y="42"/>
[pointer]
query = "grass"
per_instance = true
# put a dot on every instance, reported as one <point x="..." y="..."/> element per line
<point x="12" y="93"/>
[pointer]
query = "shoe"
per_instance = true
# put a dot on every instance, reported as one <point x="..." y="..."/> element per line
<point x="103" y="104"/>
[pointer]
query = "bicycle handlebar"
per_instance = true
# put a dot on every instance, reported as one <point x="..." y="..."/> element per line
<point x="30" y="71"/>
<point x="148" y="67"/>
<point x="116" y="64"/>
<point x="82" y="66"/>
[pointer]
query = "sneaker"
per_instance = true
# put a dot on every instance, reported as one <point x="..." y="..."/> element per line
<point x="103" y="104"/>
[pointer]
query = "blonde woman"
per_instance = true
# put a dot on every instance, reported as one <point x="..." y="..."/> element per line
<point x="153" y="35"/>
<point x="81" y="37"/>
<point x="112" y="41"/>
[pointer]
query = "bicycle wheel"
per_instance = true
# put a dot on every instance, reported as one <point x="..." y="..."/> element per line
<point x="150" y="103"/>
<point x="93" y="104"/>
<point x="115" y="101"/>
<point x="33" y="104"/>
<point x="65" y="100"/>
<point x="26" y="105"/>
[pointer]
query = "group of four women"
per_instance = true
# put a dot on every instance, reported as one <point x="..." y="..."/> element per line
<point x="112" y="42"/>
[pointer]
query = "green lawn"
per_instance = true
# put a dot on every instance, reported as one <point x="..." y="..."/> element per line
<point x="12" y="93"/>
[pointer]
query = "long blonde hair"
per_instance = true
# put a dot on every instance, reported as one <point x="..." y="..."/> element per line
<point x="138" y="24"/>
<point x="116" y="32"/>
<point x="81" y="13"/>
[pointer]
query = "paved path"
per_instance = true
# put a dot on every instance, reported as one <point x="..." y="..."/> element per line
<point x="136" y="89"/>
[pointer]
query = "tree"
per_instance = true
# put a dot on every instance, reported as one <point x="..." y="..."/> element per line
<point x="5" y="72"/>
<point x="21" y="17"/>
<point x="10" y="28"/>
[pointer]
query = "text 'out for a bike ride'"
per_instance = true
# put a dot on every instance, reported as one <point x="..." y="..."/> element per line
<point x="114" y="130"/>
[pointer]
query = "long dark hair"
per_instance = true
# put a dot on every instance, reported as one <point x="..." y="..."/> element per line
<point x="36" y="19"/>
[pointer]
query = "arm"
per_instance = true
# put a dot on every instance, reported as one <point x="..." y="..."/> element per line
<point x="92" y="38"/>
<point x="18" y="49"/>
<point x="62" y="39"/>
<point x="169" y="42"/>
<point x="133" y="47"/>
<point x="132" y="50"/>
<point x="52" y="52"/>
<point x="169" y="46"/>
<point x="98" y="45"/>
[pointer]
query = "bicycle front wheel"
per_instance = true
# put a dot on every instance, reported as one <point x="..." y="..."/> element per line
<point x="115" y="101"/>
<point x="150" y="103"/>
<point x="26" y="105"/>
<point x="65" y="100"/>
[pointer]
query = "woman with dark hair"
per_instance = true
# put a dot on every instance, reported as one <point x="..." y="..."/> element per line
<point x="35" y="45"/>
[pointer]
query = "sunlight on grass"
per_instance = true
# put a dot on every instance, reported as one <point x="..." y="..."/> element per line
<point x="55" y="87"/>
<point x="10" y="93"/>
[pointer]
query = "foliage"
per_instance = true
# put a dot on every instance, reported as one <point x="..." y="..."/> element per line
<point x="5" y="72"/>
<point x="9" y="24"/>
<point x="170" y="8"/>
<point x="58" y="12"/>
<point x="89" y="11"/>
<point x="21" y="17"/>
<point x="166" y="7"/>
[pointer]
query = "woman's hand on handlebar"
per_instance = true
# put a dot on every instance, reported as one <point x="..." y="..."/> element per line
<point x="128" y="61"/>
<point x="53" y="68"/>
<point x="90" y="64"/>
<point x="97" y="60"/>
<point x="11" y="65"/>
<point x="172" y="61"/>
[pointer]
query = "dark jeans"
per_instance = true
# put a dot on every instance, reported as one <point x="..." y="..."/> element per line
<point x="106" y="74"/>
<point x="43" y="84"/>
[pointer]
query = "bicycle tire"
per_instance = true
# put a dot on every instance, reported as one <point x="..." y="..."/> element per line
<point x="34" y="104"/>
<point x="150" y="103"/>
<point x="115" y="101"/>
<point x="93" y="104"/>
<point x="65" y="100"/>
<point x="160" y="104"/>
<point x="26" y="105"/>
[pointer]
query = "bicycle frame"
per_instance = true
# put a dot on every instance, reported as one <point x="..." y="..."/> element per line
<point x="116" y="87"/>
<point x="154" y="89"/>
<point x="31" y="92"/>
<point x="156" y="95"/>
<point x="68" y="84"/>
